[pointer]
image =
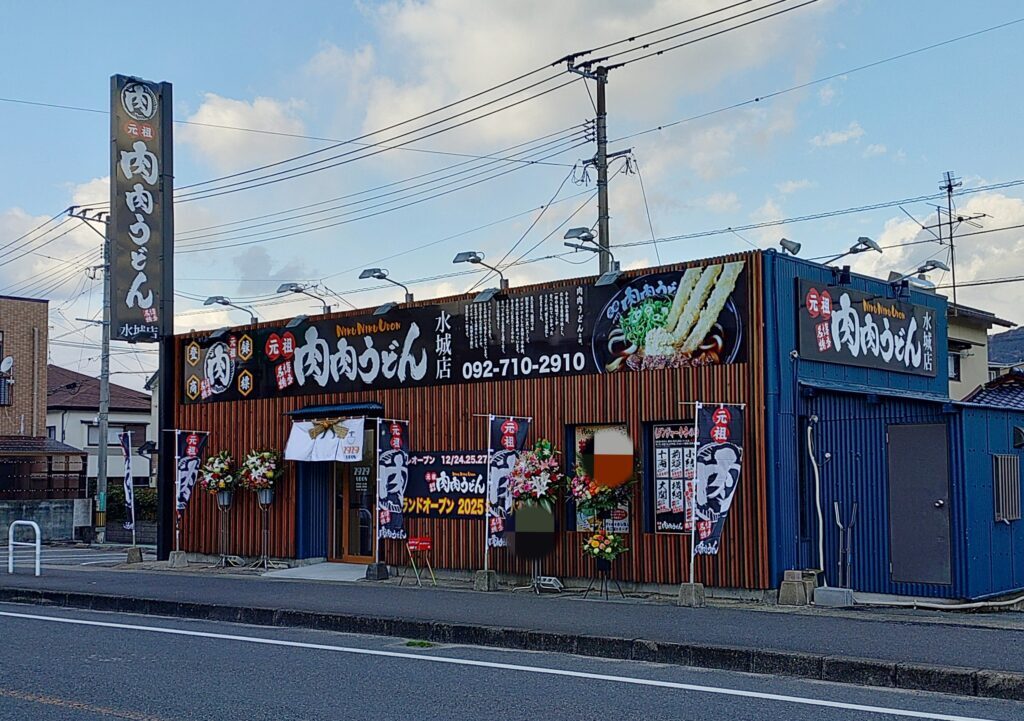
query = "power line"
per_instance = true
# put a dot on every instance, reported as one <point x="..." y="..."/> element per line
<point x="716" y="33"/>
<point x="817" y="216"/>
<point x="597" y="61"/>
<point x="818" y="81"/>
<point x="214" y="245"/>
<point x="492" y="156"/>
<point x="564" y="145"/>
<point x="291" y="174"/>
<point x="528" y="229"/>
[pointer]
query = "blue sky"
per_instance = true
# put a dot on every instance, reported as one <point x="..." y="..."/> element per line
<point x="335" y="70"/>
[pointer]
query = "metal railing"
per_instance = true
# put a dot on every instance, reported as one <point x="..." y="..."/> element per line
<point x="11" y="543"/>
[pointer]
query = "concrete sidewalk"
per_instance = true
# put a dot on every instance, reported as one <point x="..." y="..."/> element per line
<point x="923" y="651"/>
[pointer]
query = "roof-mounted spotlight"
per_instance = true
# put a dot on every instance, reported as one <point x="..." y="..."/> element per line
<point x="296" y="321"/>
<point x="303" y="290"/>
<point x="583" y="234"/>
<point x="610" y="276"/>
<point x="790" y="246"/>
<point x="219" y="333"/>
<point x="477" y="258"/>
<point x="385" y="309"/>
<point x="222" y="300"/>
<point x="487" y="295"/>
<point x="382" y="274"/>
<point x="862" y="245"/>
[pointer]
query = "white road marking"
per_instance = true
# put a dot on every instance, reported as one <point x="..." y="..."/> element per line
<point x="503" y="666"/>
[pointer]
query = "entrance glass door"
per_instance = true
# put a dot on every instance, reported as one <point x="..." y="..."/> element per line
<point x="359" y="509"/>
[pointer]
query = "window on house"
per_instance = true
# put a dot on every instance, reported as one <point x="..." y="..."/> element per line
<point x="138" y="431"/>
<point x="954" y="366"/>
<point x="1006" y="486"/>
<point x="51" y="432"/>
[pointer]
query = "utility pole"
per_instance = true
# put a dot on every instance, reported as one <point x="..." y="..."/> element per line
<point x="103" y="415"/>
<point x="600" y="160"/>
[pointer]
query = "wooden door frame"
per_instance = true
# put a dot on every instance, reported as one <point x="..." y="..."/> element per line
<point x="345" y="477"/>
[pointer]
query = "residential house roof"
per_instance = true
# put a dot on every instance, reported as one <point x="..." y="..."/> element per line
<point x="70" y="390"/>
<point x="35" y="446"/>
<point x="1006" y="391"/>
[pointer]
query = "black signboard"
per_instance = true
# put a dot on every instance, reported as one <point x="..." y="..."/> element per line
<point x="675" y="449"/>
<point x="140" y="197"/>
<point x="840" y="325"/>
<point x="506" y="438"/>
<point x="717" y="470"/>
<point x="690" y="316"/>
<point x="446" y="484"/>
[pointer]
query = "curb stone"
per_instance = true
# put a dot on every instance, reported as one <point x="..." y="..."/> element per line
<point x="848" y="670"/>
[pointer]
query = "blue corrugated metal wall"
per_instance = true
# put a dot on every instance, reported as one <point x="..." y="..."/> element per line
<point x="313" y="510"/>
<point x="852" y="429"/>
<point x="784" y="407"/>
<point x="995" y="560"/>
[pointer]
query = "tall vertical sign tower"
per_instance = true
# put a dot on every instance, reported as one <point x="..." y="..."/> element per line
<point x="141" y="246"/>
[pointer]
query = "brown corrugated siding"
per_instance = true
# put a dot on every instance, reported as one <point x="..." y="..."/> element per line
<point x="442" y="418"/>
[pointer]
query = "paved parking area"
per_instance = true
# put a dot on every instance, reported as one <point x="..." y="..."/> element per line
<point x="64" y="556"/>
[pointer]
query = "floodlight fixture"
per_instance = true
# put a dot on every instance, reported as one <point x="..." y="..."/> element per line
<point x="222" y="300"/>
<point x="382" y="274"/>
<point x="385" y="309"/>
<point x="609" y="277"/>
<point x="584" y="234"/>
<point x="303" y="290"/>
<point x="862" y="245"/>
<point x="790" y="246"/>
<point x="296" y="321"/>
<point x="930" y="265"/>
<point x="468" y="256"/>
<point x="219" y="333"/>
<point x="487" y="295"/>
<point x="477" y="258"/>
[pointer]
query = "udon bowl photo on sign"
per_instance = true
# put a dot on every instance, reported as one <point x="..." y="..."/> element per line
<point x="691" y="317"/>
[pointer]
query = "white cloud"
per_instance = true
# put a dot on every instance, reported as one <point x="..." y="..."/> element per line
<point x="875" y="149"/>
<point x="229" y="150"/>
<point x="721" y="202"/>
<point x="837" y="137"/>
<point x="767" y="211"/>
<point x="435" y="51"/>
<point x="826" y="94"/>
<point x="791" y="186"/>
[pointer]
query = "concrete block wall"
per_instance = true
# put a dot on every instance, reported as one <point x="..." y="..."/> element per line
<point x="23" y="323"/>
<point x="55" y="519"/>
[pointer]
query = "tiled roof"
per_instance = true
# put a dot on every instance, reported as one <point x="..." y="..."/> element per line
<point x="68" y="389"/>
<point x="35" y="446"/>
<point x="1006" y="391"/>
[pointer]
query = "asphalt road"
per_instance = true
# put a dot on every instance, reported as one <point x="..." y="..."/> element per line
<point x="920" y="638"/>
<point x="78" y="665"/>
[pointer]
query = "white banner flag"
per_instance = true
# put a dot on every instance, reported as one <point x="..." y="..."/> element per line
<point x="125" y="439"/>
<point x="326" y="440"/>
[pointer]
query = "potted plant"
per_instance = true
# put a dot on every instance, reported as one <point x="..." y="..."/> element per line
<point x="259" y="472"/>
<point x="218" y="477"/>
<point x="533" y="484"/>
<point x="604" y="546"/>
<point x="596" y="500"/>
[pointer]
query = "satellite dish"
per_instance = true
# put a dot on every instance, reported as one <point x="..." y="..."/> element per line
<point x="6" y="364"/>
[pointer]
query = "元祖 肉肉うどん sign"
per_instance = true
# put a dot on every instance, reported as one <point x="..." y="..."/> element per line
<point x="140" y="202"/>
<point x="679" y="318"/>
<point x="840" y="325"/>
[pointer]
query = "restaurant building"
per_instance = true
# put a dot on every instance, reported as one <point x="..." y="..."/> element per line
<point x="838" y="383"/>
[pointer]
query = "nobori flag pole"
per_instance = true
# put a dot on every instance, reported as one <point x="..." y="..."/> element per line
<point x="177" y="494"/>
<point x="692" y="494"/>
<point x="376" y="500"/>
<point x="487" y="497"/>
